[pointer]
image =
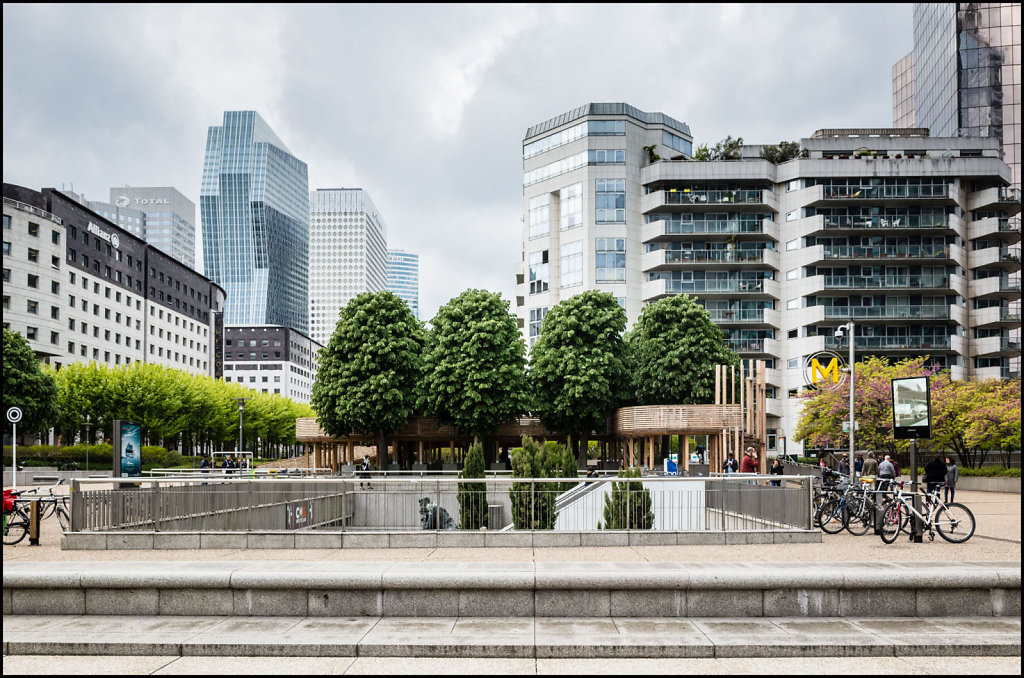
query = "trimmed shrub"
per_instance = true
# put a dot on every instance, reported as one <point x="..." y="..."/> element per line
<point x="628" y="505"/>
<point x="533" y="505"/>
<point x="473" y="496"/>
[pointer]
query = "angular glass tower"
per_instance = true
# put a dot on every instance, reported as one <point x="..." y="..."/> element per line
<point x="254" y="206"/>
<point x="404" y="277"/>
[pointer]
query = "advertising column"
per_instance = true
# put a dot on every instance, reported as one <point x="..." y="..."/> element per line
<point x="127" y="449"/>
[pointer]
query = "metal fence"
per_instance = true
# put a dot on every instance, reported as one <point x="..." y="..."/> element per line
<point x="435" y="503"/>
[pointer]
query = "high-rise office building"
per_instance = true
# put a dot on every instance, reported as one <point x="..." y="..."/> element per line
<point x="404" y="277"/>
<point x="161" y="215"/>
<point x="347" y="254"/>
<point x="254" y="204"/>
<point x="963" y="77"/>
<point x="907" y="235"/>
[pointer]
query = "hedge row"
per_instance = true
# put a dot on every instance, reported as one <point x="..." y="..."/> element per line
<point x="52" y="455"/>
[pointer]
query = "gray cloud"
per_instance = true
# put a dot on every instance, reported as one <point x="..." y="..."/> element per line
<point x="425" y="106"/>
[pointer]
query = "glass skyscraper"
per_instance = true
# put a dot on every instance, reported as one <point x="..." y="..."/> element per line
<point x="404" y="277"/>
<point x="254" y="206"/>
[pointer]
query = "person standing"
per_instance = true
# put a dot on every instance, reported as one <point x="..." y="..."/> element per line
<point x="364" y="472"/>
<point x="844" y="468"/>
<point x="858" y="465"/>
<point x="730" y="465"/>
<point x="934" y="474"/>
<point x="886" y="473"/>
<point x="777" y="470"/>
<point x="952" y="476"/>
<point x="749" y="463"/>
<point x="870" y="467"/>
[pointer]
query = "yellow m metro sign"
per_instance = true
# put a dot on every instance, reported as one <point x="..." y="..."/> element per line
<point x="817" y="373"/>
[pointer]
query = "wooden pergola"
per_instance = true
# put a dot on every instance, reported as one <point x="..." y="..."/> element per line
<point x="736" y="420"/>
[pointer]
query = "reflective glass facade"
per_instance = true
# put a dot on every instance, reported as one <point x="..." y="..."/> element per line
<point x="254" y="206"/>
<point x="404" y="277"/>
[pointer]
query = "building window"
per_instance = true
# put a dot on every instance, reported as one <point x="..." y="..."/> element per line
<point x="611" y="201"/>
<point x="31" y="333"/>
<point x="611" y="260"/>
<point x="55" y="338"/>
<point x="677" y="143"/>
<point x="33" y="255"/>
<point x="7" y="275"/>
<point x="32" y="306"/>
<point x="536" y="319"/>
<point x="539" y="214"/>
<point x="538" y="272"/>
<point x="571" y="264"/>
<point x="603" y="156"/>
<point x="55" y="237"/>
<point x="33" y="229"/>
<point x="33" y="281"/>
<point x="571" y="206"/>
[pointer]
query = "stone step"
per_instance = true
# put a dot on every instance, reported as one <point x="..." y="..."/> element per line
<point x="512" y="589"/>
<point x="451" y="637"/>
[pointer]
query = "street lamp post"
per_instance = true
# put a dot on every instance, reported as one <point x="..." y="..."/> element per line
<point x="241" y="408"/>
<point x="88" y="429"/>
<point x="848" y="329"/>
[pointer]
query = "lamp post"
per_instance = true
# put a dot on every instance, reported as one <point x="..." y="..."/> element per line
<point x="241" y="408"/>
<point x="848" y="329"/>
<point x="88" y="429"/>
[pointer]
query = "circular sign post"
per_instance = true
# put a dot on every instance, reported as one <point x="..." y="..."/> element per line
<point x="14" y="416"/>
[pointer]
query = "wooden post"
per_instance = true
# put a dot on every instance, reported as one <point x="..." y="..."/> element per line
<point x="718" y="379"/>
<point x="684" y="447"/>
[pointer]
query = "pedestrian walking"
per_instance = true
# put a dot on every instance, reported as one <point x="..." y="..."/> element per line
<point x="777" y="470"/>
<point x="204" y="464"/>
<point x="364" y="472"/>
<point x="886" y="473"/>
<point x="730" y="465"/>
<point x="952" y="476"/>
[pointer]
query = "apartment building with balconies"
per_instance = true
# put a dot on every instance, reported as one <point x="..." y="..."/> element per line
<point x="915" y="239"/>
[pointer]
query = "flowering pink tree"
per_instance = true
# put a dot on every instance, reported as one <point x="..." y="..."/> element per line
<point x="995" y="417"/>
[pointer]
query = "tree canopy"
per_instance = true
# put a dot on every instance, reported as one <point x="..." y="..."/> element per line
<point x="578" y="372"/>
<point x="673" y="348"/>
<point x="26" y="385"/>
<point x="474" y="364"/>
<point x="369" y="370"/>
<point x="783" y="152"/>
<point x="726" y="149"/>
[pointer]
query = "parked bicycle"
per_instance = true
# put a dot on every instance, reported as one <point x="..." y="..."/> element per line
<point x="15" y="519"/>
<point x="953" y="521"/>
<point x="50" y="502"/>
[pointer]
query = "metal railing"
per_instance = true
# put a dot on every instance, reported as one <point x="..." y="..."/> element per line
<point x="867" y="192"/>
<point x="885" y="252"/>
<point x="745" y="345"/>
<point x="889" y="342"/>
<point x="727" y="285"/>
<point x="666" y="503"/>
<point x="929" y="312"/>
<point x="739" y="196"/>
<point x="903" y="221"/>
<point x="742" y="315"/>
<point x="33" y="210"/>
<point x="705" y="226"/>
<point x="885" y="281"/>
<point x="713" y="256"/>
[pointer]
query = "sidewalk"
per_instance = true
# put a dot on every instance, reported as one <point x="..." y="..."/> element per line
<point x="998" y="538"/>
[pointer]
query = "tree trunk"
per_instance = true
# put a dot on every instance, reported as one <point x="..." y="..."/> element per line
<point x="581" y="460"/>
<point x="382" y="452"/>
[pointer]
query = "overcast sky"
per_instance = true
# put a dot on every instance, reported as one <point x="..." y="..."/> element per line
<point x="424" y="106"/>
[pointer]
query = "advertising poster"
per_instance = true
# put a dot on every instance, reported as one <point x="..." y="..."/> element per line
<point x="910" y="408"/>
<point x="131" y="449"/>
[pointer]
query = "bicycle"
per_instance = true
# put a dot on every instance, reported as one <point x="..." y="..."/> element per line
<point x="954" y="522"/>
<point x="47" y="508"/>
<point x="15" y="519"/>
<point x="831" y="485"/>
<point x="859" y="515"/>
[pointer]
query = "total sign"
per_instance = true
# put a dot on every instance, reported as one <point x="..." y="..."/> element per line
<point x="825" y="370"/>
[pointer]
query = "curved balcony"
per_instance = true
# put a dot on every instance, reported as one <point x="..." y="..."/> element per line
<point x="887" y="312"/>
<point x="994" y="258"/>
<point x="693" y="171"/>
<point x="1007" y="199"/>
<point x="1008" y="229"/>
<point x="834" y="252"/>
<point x="888" y="282"/>
<point x="745" y="317"/>
<point x="712" y="259"/>
<point x="664" y="230"/>
<point x="713" y="288"/>
<point x="738" y="200"/>
<point x="889" y="343"/>
<point x="754" y="348"/>
<point x="907" y="222"/>
<point x="995" y="287"/>
<point x="887" y="195"/>
<point x="995" y="316"/>
<point x="995" y="346"/>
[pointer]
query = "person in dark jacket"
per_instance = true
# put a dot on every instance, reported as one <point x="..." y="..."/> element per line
<point x="870" y="465"/>
<point x="952" y="476"/>
<point x="934" y="474"/>
<point x="776" y="470"/>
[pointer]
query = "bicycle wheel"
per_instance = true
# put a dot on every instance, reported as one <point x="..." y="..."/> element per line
<point x="63" y="518"/>
<point x="858" y="517"/>
<point x="832" y="516"/>
<point x="894" y="519"/>
<point x="46" y="509"/>
<point x="955" y="523"/>
<point x="15" y="528"/>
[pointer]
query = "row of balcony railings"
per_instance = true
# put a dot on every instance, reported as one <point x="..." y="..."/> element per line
<point x="868" y="192"/>
<point x="742" y="345"/>
<point x="886" y="281"/>
<point x="717" y="197"/>
<point x="886" y="252"/>
<point x="889" y="311"/>
<point x="1009" y="194"/>
<point x="373" y="503"/>
<point x="710" y="286"/>
<point x="714" y="256"/>
<point x="904" y="221"/>
<point x="711" y="226"/>
<point x="739" y="315"/>
<point x="32" y="209"/>
<point x="1011" y="224"/>
<point x="905" y="342"/>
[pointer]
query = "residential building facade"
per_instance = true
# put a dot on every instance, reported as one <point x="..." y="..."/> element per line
<point x="404" y="277"/>
<point x="910" y="238"/>
<point x="347" y="254"/>
<point x="271" y="359"/>
<point x="254" y="205"/>
<point x="80" y="289"/>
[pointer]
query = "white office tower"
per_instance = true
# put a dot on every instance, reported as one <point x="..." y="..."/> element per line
<point x="347" y="254"/>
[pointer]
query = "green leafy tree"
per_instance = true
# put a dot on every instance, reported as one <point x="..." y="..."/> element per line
<point x="27" y="386"/>
<point x="369" y="370"/>
<point x="726" y="149"/>
<point x="578" y="365"/>
<point x="473" y="496"/>
<point x="474" y="365"/>
<point x="702" y="153"/>
<point x="995" y="417"/>
<point x="783" y="152"/>
<point x="673" y="349"/>
<point x="533" y="504"/>
<point x="567" y="468"/>
<point x="628" y="505"/>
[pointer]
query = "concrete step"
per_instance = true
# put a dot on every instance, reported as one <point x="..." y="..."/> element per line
<point x="512" y="589"/>
<point x="450" y="637"/>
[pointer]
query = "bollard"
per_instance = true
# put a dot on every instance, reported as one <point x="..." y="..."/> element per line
<point x="33" y="523"/>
